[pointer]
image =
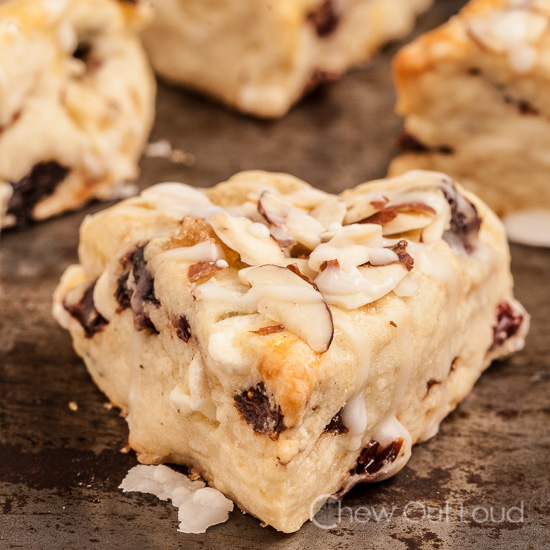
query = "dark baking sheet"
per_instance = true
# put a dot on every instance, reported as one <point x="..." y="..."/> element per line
<point x="59" y="469"/>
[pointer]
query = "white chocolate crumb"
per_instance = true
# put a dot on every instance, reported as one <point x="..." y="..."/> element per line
<point x="199" y="506"/>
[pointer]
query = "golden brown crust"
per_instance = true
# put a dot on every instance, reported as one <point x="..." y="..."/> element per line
<point x="289" y="369"/>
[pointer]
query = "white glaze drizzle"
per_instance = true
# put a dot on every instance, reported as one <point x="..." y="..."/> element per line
<point x="205" y="251"/>
<point x="259" y="230"/>
<point x="354" y="413"/>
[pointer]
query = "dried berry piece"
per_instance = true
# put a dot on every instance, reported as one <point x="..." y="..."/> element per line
<point x="507" y="326"/>
<point x="123" y="294"/>
<point x="465" y="222"/>
<point x="39" y="183"/>
<point x="336" y="424"/>
<point x="256" y="409"/>
<point x="183" y="330"/>
<point x="86" y="314"/>
<point x="405" y="258"/>
<point x="408" y="142"/>
<point x="374" y="457"/>
<point x="325" y="18"/>
<point x="522" y="105"/>
<point x="431" y="382"/>
<point x="143" y="290"/>
<point x="83" y="51"/>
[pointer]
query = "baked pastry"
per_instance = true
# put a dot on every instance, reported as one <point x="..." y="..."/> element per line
<point x="284" y="342"/>
<point x="76" y="104"/>
<point x="474" y="94"/>
<point x="261" y="57"/>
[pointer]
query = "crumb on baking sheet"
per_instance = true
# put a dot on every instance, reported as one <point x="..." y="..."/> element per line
<point x="199" y="507"/>
<point x="163" y="149"/>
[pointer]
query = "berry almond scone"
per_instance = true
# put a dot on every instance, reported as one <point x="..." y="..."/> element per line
<point x="475" y="96"/>
<point x="76" y="103"/>
<point x="284" y="342"/>
<point x="260" y="57"/>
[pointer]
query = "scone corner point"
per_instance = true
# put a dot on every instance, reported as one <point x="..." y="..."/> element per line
<point x="284" y="342"/>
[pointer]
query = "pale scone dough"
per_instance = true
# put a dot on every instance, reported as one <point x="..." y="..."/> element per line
<point x="260" y="56"/>
<point x="76" y="103"/>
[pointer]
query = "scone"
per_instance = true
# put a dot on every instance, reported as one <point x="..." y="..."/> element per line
<point x="260" y="57"/>
<point x="76" y="104"/>
<point x="284" y="342"/>
<point x="475" y="96"/>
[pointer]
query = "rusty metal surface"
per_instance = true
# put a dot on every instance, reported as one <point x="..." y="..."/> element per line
<point x="59" y="469"/>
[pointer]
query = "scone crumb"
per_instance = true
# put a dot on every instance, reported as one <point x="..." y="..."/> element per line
<point x="125" y="449"/>
<point x="199" y="507"/>
<point x="164" y="149"/>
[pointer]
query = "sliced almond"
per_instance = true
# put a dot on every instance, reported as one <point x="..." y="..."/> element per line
<point x="288" y="222"/>
<point x="308" y="197"/>
<point x="331" y="211"/>
<point x="239" y="234"/>
<point x="363" y="206"/>
<point x="273" y="208"/>
<point x="356" y="287"/>
<point x="289" y="300"/>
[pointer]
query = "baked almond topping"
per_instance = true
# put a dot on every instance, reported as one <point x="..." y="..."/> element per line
<point x="298" y="254"/>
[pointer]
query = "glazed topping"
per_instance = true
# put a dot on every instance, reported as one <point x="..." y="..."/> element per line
<point x="508" y="323"/>
<point x="85" y="312"/>
<point x="299" y="253"/>
<point x="513" y="30"/>
<point x="465" y="223"/>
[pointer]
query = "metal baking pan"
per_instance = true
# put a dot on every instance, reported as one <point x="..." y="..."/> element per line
<point x="481" y="483"/>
